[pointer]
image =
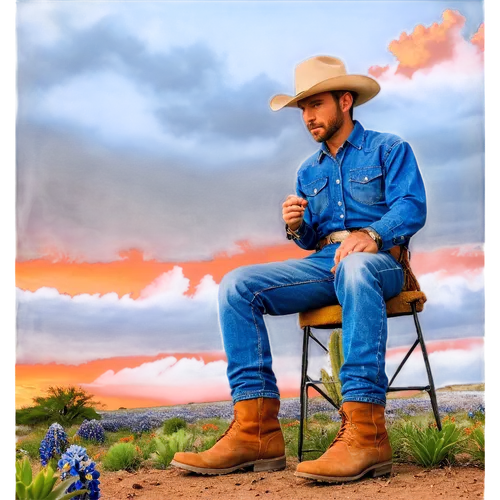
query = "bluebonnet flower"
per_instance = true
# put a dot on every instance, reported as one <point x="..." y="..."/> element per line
<point x="91" y="430"/>
<point x="75" y="462"/>
<point x="111" y="425"/>
<point x="54" y="442"/>
<point x="448" y="401"/>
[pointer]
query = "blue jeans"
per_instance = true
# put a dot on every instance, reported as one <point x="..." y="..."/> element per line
<point x="361" y="284"/>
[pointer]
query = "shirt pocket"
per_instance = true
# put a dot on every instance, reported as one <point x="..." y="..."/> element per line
<point x="367" y="184"/>
<point x="317" y="195"/>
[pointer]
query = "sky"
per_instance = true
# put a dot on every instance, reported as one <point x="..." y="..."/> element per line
<point x="149" y="164"/>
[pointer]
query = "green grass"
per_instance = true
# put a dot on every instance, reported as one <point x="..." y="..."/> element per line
<point x="320" y="432"/>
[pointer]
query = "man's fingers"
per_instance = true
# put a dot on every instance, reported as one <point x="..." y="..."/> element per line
<point x="347" y="248"/>
<point x="294" y="200"/>
<point x="359" y="247"/>
<point x="293" y="208"/>
<point x="294" y="221"/>
<point x="292" y="214"/>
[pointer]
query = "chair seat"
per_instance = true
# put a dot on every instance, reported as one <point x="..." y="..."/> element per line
<point x="331" y="316"/>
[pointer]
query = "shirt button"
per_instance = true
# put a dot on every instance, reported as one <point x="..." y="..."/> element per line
<point x="366" y="178"/>
<point x="341" y="216"/>
<point x="315" y="191"/>
<point x="337" y="181"/>
<point x="339" y="203"/>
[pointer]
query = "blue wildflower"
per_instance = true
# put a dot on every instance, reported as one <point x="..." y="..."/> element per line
<point x="75" y="462"/>
<point x="91" y="430"/>
<point x="53" y="444"/>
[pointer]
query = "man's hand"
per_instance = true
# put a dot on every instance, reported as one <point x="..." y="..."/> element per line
<point x="293" y="211"/>
<point x="357" y="241"/>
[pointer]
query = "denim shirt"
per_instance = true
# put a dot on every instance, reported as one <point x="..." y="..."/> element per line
<point x="373" y="181"/>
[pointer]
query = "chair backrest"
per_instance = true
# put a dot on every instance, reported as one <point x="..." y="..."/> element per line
<point x="411" y="283"/>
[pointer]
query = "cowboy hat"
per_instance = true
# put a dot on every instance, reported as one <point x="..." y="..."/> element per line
<point x="323" y="73"/>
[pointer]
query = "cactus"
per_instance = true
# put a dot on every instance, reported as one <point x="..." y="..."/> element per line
<point x="332" y="382"/>
<point x="42" y="486"/>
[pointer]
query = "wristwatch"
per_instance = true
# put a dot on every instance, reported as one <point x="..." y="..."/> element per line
<point x="373" y="235"/>
<point x="291" y="234"/>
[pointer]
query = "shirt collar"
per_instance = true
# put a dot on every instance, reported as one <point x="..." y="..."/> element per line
<point x="356" y="139"/>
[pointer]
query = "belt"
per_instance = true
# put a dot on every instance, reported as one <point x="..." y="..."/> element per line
<point x="340" y="236"/>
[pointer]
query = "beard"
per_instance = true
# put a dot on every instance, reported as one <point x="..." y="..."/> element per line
<point x="329" y="130"/>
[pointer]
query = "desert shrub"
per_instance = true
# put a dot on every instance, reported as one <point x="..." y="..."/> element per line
<point x="396" y="437"/>
<point x="146" y="444"/>
<point x="62" y="405"/>
<point x="122" y="456"/>
<point x="429" y="446"/>
<point x="32" y="415"/>
<point x="476" y="445"/>
<point x="173" y="425"/>
<point x="168" y="446"/>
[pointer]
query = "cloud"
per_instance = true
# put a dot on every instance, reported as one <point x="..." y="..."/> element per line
<point x="187" y="87"/>
<point x="449" y="367"/>
<point x="159" y="147"/>
<point x="183" y="371"/>
<point x="220" y="111"/>
<point x="166" y="319"/>
<point x="104" y="45"/>
<point x="434" y="53"/>
<point x="90" y="202"/>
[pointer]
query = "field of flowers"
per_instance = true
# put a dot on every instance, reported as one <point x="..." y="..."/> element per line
<point x="148" y="438"/>
<point x="449" y="402"/>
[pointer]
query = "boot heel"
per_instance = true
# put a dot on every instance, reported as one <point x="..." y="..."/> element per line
<point x="382" y="470"/>
<point x="271" y="464"/>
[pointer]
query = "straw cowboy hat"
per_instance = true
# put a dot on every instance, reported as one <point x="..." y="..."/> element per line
<point x="323" y="73"/>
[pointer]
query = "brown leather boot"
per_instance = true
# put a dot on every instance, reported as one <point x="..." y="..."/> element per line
<point x="361" y="447"/>
<point x="253" y="440"/>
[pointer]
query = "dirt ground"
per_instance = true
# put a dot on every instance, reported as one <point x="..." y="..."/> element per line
<point x="406" y="482"/>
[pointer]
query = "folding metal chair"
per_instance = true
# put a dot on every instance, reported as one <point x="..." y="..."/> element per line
<point x="330" y="317"/>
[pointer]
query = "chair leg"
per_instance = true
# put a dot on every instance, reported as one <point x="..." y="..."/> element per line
<point x="303" y="390"/>
<point x="432" y="391"/>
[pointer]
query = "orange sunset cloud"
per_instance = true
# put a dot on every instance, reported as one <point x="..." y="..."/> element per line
<point x="427" y="47"/>
<point x="33" y="380"/>
<point x="131" y="274"/>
